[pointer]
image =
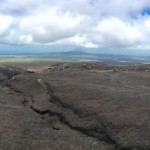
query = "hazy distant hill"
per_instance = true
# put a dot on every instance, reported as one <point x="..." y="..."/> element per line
<point x="75" y="52"/>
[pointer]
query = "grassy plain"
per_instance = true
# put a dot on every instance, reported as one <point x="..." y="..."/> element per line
<point x="71" y="57"/>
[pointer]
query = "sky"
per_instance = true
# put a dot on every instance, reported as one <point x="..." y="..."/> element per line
<point x="102" y="24"/>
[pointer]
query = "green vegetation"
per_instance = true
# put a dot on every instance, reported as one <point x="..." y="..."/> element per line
<point x="43" y="58"/>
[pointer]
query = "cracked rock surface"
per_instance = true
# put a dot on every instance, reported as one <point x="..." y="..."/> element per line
<point x="75" y="107"/>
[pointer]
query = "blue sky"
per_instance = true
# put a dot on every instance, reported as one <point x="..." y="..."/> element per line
<point x="100" y="24"/>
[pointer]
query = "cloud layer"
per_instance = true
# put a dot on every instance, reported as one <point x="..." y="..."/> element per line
<point x="89" y="23"/>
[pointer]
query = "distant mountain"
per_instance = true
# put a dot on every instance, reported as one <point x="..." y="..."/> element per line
<point x="75" y="52"/>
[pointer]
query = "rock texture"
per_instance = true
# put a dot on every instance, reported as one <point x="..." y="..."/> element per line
<point x="75" y="106"/>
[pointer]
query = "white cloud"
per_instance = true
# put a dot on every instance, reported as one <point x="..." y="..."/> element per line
<point x="88" y="23"/>
<point x="113" y="32"/>
<point x="49" y="26"/>
<point x="5" y="23"/>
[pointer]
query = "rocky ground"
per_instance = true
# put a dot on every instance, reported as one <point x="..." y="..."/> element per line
<point x="75" y="106"/>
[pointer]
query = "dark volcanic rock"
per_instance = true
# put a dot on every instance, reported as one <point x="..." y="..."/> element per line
<point x="84" y="106"/>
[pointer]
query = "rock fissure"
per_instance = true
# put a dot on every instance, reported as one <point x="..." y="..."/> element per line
<point x="99" y="134"/>
<point x="89" y="133"/>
